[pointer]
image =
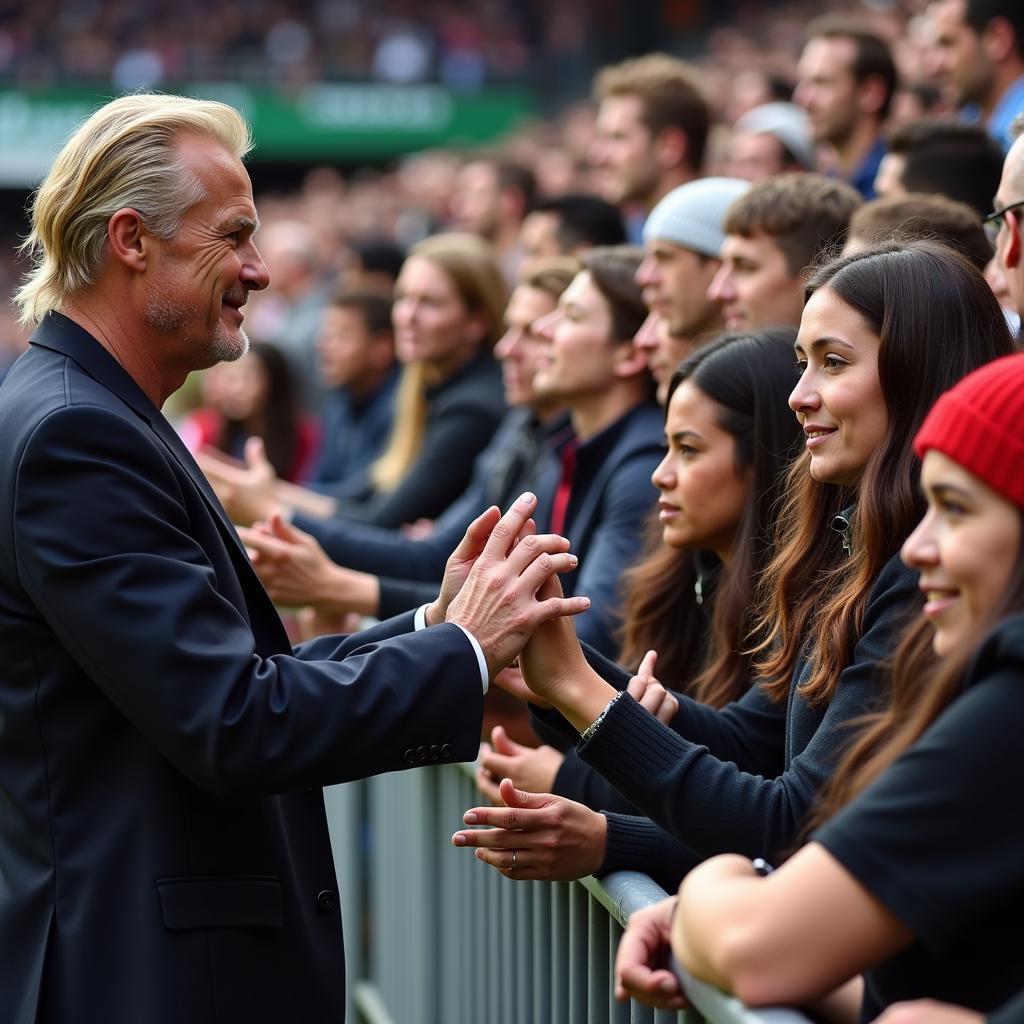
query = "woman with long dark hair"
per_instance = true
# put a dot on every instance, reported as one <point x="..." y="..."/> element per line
<point x="922" y="862"/>
<point x="730" y="437"/>
<point x="883" y="333"/>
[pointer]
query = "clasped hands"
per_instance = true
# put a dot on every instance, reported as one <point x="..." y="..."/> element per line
<point x="500" y="582"/>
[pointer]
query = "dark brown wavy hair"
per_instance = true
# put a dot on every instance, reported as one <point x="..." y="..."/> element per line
<point x="921" y="690"/>
<point x="748" y="377"/>
<point x="936" y="320"/>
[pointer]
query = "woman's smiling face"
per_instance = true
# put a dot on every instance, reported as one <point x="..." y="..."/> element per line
<point x="838" y="399"/>
<point x="966" y="549"/>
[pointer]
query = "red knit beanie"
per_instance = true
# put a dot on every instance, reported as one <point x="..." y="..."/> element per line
<point x="979" y="423"/>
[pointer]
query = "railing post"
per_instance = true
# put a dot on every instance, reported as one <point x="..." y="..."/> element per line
<point x="454" y="942"/>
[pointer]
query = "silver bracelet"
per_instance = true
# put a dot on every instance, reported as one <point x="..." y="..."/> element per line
<point x="593" y="727"/>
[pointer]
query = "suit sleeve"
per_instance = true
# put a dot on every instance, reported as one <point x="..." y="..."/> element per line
<point x="383" y="552"/>
<point x="107" y="551"/>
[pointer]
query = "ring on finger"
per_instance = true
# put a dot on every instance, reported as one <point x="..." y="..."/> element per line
<point x="512" y="869"/>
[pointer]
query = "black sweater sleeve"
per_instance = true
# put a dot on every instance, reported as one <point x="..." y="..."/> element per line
<point x="637" y="844"/>
<point x="707" y="789"/>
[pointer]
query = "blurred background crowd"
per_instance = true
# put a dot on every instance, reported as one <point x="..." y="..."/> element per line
<point x="493" y="229"/>
<point x="342" y="160"/>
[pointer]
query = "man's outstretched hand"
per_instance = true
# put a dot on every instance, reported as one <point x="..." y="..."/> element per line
<point x="497" y="602"/>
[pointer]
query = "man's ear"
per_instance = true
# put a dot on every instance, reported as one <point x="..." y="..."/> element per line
<point x="630" y="360"/>
<point x="1012" y="253"/>
<point x="670" y="147"/>
<point x="382" y="350"/>
<point x="871" y="94"/>
<point x="128" y="240"/>
<point x="997" y="40"/>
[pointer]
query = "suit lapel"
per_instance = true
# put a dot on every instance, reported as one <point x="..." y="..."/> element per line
<point x="62" y="335"/>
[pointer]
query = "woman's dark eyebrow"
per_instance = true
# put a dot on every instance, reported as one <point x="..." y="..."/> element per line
<point x="829" y="340"/>
<point x="680" y="434"/>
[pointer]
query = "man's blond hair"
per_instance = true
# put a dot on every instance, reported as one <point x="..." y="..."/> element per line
<point x="124" y="155"/>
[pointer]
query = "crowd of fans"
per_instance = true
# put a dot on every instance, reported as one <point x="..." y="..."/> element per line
<point x="546" y="316"/>
<point x="757" y="566"/>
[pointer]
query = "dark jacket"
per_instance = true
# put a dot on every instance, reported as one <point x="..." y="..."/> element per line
<point x="354" y="434"/>
<point x="164" y="854"/>
<point x="743" y="779"/>
<point x="610" y="500"/>
<point x="463" y="412"/>
<point x="410" y="570"/>
<point x="936" y="840"/>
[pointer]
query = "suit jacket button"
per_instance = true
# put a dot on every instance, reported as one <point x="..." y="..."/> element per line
<point x="435" y="752"/>
<point x="326" y="901"/>
<point x="409" y="757"/>
<point x="446" y="750"/>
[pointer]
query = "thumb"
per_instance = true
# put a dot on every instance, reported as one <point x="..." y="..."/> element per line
<point x="280" y="528"/>
<point x="502" y="743"/>
<point x="255" y="453"/>
<point x="512" y="797"/>
<point x="648" y="664"/>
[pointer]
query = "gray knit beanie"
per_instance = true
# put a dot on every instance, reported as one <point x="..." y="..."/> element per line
<point x="693" y="214"/>
<point x="784" y="121"/>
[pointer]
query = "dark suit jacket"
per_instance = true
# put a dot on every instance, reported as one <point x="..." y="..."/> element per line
<point x="609" y="505"/>
<point x="163" y="847"/>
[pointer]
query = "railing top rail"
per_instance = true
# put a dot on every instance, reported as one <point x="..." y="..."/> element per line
<point x="622" y="893"/>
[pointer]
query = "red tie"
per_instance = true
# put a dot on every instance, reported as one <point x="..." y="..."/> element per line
<point x="561" y="501"/>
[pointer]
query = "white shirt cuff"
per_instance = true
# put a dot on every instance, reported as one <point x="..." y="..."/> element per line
<point x="420" y="622"/>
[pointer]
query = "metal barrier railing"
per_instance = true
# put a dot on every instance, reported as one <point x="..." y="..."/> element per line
<point x="432" y="936"/>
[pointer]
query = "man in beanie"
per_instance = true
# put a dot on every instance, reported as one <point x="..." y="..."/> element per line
<point x="682" y="238"/>
<point x="770" y="139"/>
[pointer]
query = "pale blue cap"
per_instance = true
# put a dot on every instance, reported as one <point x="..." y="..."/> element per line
<point x="693" y="214"/>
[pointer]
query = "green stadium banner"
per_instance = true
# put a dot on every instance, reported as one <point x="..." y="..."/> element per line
<point x="343" y="122"/>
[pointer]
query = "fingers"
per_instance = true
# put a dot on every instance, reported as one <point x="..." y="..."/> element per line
<point x="530" y="558"/>
<point x="503" y="744"/>
<point x="284" y="530"/>
<point x="668" y="710"/>
<point x="221" y="472"/>
<point x="513" y="797"/>
<point x="255" y="453"/>
<point x="544" y="566"/>
<point x="477" y="534"/>
<point x="639" y="964"/>
<point x="499" y="765"/>
<point x="652" y="696"/>
<point x="647" y="665"/>
<point x="523" y="813"/>
<point x="529" y="528"/>
<point x="266" y="545"/>
<point x="658" y="988"/>
<point x="508" y="527"/>
<point x="561" y="607"/>
<point x="487" y="786"/>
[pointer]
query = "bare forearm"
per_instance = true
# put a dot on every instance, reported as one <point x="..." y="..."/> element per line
<point x="301" y="499"/>
<point x="343" y="590"/>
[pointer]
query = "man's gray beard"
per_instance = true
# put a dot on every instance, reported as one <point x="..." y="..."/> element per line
<point x="167" y="316"/>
